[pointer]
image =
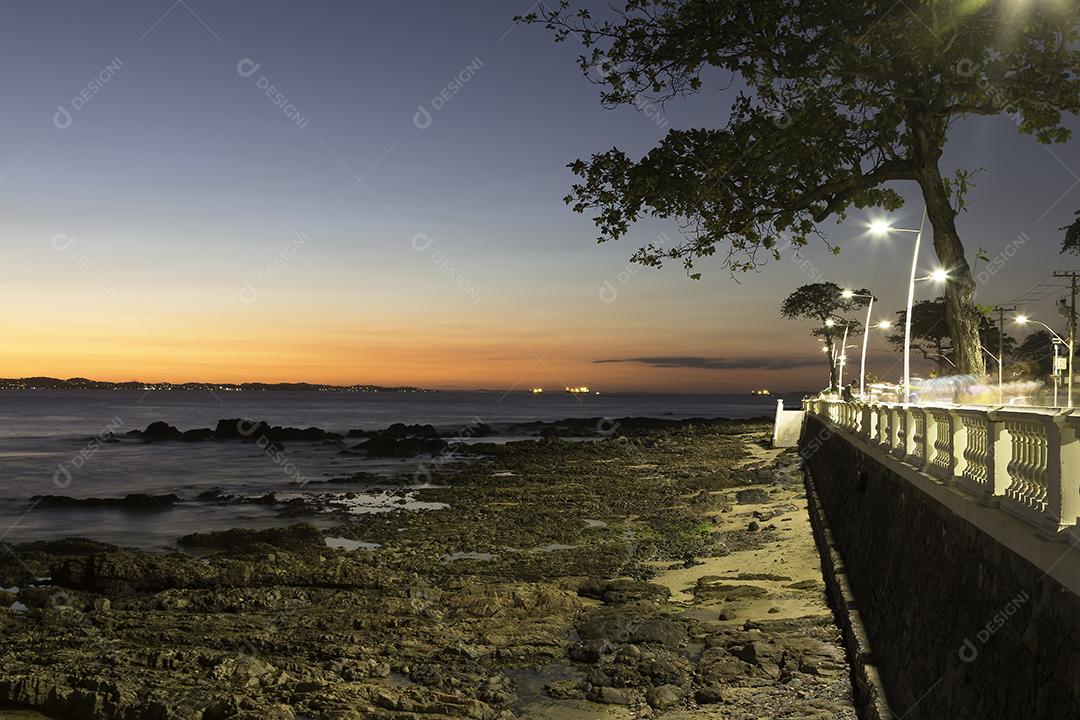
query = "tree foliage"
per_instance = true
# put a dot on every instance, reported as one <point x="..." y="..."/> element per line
<point x="834" y="102"/>
<point x="1038" y="349"/>
<point x="930" y="335"/>
<point x="825" y="304"/>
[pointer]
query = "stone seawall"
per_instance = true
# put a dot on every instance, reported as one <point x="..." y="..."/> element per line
<point x="960" y="626"/>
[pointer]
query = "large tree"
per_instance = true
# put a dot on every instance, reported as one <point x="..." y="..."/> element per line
<point x="826" y="303"/>
<point x="833" y="102"/>
<point x="931" y="338"/>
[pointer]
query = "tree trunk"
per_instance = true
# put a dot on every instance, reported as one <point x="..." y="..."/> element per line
<point x="961" y="313"/>
<point x="833" y="378"/>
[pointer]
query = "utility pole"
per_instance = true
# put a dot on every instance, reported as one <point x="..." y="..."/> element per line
<point x="1001" y="310"/>
<point x="1072" y="326"/>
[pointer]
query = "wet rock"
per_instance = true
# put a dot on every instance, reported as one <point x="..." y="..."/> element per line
<point x="590" y="651"/>
<point x="299" y="537"/>
<point x="66" y="546"/>
<point x="566" y="690"/>
<point x="197" y="435"/>
<point x="613" y="695"/>
<point x="133" y="501"/>
<point x="617" y="592"/>
<point x="160" y="431"/>
<point x="263" y="432"/>
<point x="386" y="446"/>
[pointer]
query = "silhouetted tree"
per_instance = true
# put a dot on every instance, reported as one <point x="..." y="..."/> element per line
<point x="825" y="304"/>
<point x="930" y="335"/>
<point x="1038" y="349"/>
<point x="836" y="100"/>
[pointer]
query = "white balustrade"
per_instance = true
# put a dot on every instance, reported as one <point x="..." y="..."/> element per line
<point x="900" y="431"/>
<point x="941" y="448"/>
<point x="1025" y="460"/>
<point x="916" y="446"/>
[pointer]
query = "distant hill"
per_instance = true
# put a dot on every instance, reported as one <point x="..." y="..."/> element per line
<point x="50" y="383"/>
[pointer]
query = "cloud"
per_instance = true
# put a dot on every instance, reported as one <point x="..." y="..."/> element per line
<point x="706" y="363"/>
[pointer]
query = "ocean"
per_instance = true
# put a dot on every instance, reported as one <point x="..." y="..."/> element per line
<point x="48" y="446"/>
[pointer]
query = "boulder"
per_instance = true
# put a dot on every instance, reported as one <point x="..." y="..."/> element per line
<point x="617" y="592"/>
<point x="664" y="696"/>
<point x="159" y="431"/>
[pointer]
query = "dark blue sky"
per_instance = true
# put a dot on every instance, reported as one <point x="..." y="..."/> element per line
<point x="175" y="221"/>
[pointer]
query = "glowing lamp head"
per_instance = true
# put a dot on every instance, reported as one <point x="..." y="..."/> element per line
<point x="830" y="322"/>
<point x="847" y="294"/>
<point x="939" y="275"/>
<point x="1021" y="319"/>
<point x="884" y="324"/>
<point x="880" y="227"/>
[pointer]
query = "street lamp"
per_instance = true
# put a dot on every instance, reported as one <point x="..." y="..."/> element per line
<point x="841" y="358"/>
<point x="1024" y="320"/>
<point x="882" y="228"/>
<point x="849" y="295"/>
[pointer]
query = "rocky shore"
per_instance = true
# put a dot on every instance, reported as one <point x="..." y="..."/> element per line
<point x="666" y="568"/>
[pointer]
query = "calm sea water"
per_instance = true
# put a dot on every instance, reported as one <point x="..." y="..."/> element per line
<point x="46" y="449"/>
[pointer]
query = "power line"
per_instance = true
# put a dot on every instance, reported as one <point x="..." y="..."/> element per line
<point x="1049" y="285"/>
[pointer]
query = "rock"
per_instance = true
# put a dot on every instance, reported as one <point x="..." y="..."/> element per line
<point x="752" y="526"/>
<point x="712" y="588"/>
<point x="133" y="501"/>
<point x="612" y="695"/>
<point x="264" y="433"/>
<point x="160" y="431"/>
<point x="751" y="496"/>
<point x="589" y="651"/>
<point x="251" y="672"/>
<point x="385" y="446"/>
<point x="299" y="537"/>
<point x="197" y="435"/>
<point x="664" y="696"/>
<point x="660" y="631"/>
<point x="617" y="592"/>
<point x="565" y="690"/>
<point x="712" y="693"/>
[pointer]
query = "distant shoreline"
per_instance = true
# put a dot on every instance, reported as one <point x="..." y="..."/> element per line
<point x="50" y="383"/>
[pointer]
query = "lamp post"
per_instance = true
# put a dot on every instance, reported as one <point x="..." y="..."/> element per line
<point x="1023" y="320"/>
<point x="848" y="295"/>
<point x="882" y="228"/>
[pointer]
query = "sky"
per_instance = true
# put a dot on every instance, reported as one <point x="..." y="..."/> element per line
<point x="360" y="192"/>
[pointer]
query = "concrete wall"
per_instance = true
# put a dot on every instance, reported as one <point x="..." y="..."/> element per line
<point x="959" y="625"/>
<point x="786" y="427"/>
